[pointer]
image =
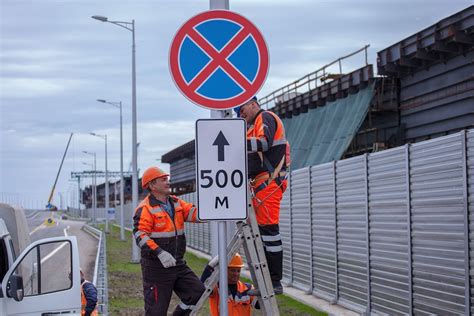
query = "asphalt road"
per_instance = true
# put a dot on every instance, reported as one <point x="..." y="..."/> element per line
<point x="57" y="254"/>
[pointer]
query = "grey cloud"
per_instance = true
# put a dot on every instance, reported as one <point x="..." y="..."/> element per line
<point x="56" y="61"/>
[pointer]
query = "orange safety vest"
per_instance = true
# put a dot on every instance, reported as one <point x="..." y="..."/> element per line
<point x="240" y="305"/>
<point x="272" y="157"/>
<point x="268" y="171"/>
<point x="153" y="227"/>
<point x="84" y="302"/>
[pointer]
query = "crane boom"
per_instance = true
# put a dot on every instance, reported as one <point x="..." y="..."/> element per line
<point x="59" y="171"/>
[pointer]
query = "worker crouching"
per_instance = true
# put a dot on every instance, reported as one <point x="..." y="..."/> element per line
<point x="240" y="303"/>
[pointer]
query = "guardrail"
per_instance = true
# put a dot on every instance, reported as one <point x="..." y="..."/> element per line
<point x="100" y="271"/>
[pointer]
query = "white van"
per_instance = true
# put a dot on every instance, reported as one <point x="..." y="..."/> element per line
<point x="43" y="279"/>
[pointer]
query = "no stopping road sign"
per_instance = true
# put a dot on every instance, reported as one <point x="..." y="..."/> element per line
<point x="218" y="59"/>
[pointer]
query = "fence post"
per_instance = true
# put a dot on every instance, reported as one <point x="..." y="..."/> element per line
<point x="467" y="298"/>
<point x="336" y="298"/>
<point x="410" y="262"/>
<point x="367" y="223"/>
<point x="291" y="231"/>
<point x="310" y="198"/>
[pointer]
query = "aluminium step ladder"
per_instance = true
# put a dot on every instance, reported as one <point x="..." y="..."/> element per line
<point x="248" y="236"/>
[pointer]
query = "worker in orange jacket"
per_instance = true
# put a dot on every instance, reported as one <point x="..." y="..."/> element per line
<point x="268" y="158"/>
<point x="239" y="302"/>
<point x="88" y="297"/>
<point x="158" y="228"/>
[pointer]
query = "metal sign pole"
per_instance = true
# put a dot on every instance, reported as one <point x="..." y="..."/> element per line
<point x="219" y="191"/>
<point x="223" y="287"/>
<point x="222" y="225"/>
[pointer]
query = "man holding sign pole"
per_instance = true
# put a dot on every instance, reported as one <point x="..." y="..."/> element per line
<point x="268" y="157"/>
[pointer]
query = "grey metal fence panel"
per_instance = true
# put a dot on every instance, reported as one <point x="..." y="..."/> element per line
<point x="351" y="232"/>
<point x="128" y="210"/>
<point x="470" y="182"/>
<point x="207" y="237"/>
<point x="200" y="237"/>
<point x="399" y="221"/>
<point x="389" y="233"/>
<point x="285" y="232"/>
<point x="436" y="175"/>
<point x="191" y="228"/>
<point x="301" y="229"/>
<point x="324" y="241"/>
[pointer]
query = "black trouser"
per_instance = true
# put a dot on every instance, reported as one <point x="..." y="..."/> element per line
<point x="159" y="284"/>
<point x="273" y="250"/>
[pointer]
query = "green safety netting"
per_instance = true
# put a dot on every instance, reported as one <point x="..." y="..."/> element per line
<point x="324" y="133"/>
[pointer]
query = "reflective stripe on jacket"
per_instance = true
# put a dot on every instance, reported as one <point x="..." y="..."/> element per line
<point x="240" y="305"/>
<point x="265" y="139"/>
<point x="154" y="229"/>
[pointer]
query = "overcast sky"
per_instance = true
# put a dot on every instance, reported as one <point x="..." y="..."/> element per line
<point x="55" y="61"/>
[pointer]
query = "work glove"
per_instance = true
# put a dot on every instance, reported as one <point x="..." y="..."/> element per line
<point x="167" y="260"/>
<point x="214" y="261"/>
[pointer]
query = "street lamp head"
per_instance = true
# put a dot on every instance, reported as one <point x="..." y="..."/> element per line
<point x="100" y="18"/>
<point x="101" y="100"/>
<point x="100" y="136"/>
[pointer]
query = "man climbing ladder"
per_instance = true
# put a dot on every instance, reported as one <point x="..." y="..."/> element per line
<point x="268" y="158"/>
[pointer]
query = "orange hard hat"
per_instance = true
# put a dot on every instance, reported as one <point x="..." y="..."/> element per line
<point x="151" y="174"/>
<point x="236" y="262"/>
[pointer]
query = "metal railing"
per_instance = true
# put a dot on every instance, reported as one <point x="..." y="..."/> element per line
<point x="308" y="82"/>
<point x="100" y="271"/>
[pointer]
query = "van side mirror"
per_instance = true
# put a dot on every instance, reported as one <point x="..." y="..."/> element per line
<point x="15" y="287"/>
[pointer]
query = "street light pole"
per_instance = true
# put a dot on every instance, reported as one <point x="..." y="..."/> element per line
<point x="104" y="137"/>
<point x="92" y="187"/>
<point x="94" y="179"/>
<point x="135" y="250"/>
<point x="79" y="199"/>
<point x="126" y="25"/>
<point x="122" y="183"/>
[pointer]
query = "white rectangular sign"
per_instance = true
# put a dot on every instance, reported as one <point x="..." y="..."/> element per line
<point x="221" y="165"/>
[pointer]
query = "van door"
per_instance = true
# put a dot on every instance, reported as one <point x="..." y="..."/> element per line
<point x="44" y="279"/>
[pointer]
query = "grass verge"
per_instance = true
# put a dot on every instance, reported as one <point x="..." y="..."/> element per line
<point x="125" y="282"/>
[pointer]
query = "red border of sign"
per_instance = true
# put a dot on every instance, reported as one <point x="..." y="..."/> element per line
<point x="181" y="83"/>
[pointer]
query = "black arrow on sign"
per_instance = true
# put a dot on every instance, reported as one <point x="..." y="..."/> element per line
<point x="220" y="142"/>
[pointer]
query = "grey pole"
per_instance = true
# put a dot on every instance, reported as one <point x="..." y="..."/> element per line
<point x="95" y="191"/>
<point x="106" y="189"/>
<point x="104" y="137"/>
<point x="222" y="225"/>
<point x="126" y="25"/>
<point x="94" y="183"/>
<point x="79" y="195"/>
<point x="122" y="184"/>
<point x="135" y="250"/>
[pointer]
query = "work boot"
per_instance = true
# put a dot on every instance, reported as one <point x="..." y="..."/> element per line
<point x="178" y="311"/>
<point x="277" y="287"/>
